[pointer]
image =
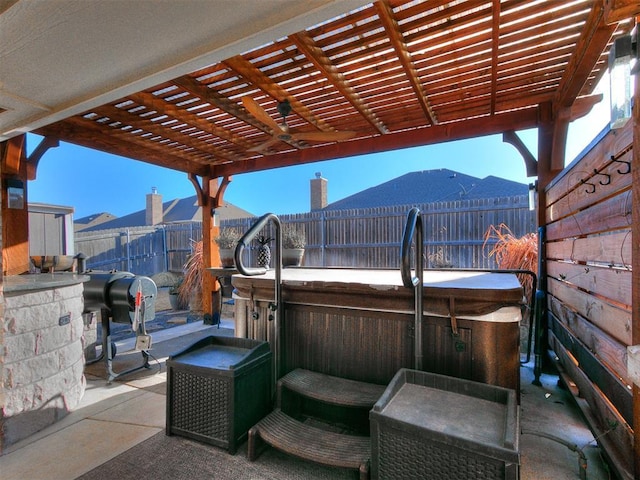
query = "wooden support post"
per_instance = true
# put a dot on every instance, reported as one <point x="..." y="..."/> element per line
<point x="15" y="213"/>
<point x="635" y="262"/>
<point x="210" y="196"/>
<point x="210" y="287"/>
<point x="545" y="172"/>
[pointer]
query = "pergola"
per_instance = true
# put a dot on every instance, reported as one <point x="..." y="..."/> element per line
<point x="359" y="78"/>
<point x="382" y="76"/>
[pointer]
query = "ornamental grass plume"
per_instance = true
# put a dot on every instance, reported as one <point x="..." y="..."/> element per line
<point x="193" y="271"/>
<point x="511" y="252"/>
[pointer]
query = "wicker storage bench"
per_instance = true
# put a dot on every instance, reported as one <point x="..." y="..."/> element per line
<point x="432" y="426"/>
<point x="217" y="389"/>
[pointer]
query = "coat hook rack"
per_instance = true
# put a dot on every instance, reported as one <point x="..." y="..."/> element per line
<point x="602" y="182"/>
<point x="628" y="164"/>
<point x="592" y="185"/>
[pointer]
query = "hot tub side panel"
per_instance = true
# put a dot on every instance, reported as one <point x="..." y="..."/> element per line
<point x="365" y="332"/>
<point x="358" y="345"/>
<point x="483" y="351"/>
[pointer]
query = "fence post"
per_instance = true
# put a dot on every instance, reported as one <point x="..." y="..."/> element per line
<point x="128" y="251"/>
<point x="164" y="249"/>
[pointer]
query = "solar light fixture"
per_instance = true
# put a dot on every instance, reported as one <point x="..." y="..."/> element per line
<point x="623" y="62"/>
<point x="533" y="191"/>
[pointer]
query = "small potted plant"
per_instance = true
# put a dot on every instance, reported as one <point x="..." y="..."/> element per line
<point x="227" y="240"/>
<point x="175" y="299"/>
<point x="293" y="244"/>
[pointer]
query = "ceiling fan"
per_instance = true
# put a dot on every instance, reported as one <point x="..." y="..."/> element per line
<point x="282" y="132"/>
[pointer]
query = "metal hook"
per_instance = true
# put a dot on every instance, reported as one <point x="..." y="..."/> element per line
<point x="596" y="172"/>
<point x="628" y="164"/>
<point x="593" y="187"/>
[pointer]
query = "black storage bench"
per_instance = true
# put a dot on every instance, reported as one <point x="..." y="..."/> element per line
<point x="433" y="426"/>
<point x="217" y="389"/>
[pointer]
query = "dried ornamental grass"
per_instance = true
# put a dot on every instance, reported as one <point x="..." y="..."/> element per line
<point x="193" y="271"/>
<point x="512" y="252"/>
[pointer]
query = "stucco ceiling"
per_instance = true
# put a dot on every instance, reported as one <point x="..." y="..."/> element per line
<point x="61" y="57"/>
<point x="195" y="85"/>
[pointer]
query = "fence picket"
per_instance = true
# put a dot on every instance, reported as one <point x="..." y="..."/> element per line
<point x="366" y="238"/>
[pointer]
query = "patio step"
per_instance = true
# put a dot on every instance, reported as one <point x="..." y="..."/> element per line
<point x="320" y="418"/>
<point x="330" y="390"/>
<point x="310" y="443"/>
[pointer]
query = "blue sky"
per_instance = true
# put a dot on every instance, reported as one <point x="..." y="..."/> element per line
<point x="94" y="182"/>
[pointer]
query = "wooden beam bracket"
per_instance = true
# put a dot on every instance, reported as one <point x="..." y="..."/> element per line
<point x="13" y="155"/>
<point x="618" y="10"/>
<point x="36" y="155"/>
<point x="530" y="162"/>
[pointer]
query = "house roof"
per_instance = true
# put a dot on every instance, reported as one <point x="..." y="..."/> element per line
<point x="175" y="211"/>
<point x="90" y="221"/>
<point x="396" y="73"/>
<point x="429" y="186"/>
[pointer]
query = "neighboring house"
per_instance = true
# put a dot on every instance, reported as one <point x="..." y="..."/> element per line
<point x="179" y="210"/>
<point x="90" y="221"/>
<point x="430" y="186"/>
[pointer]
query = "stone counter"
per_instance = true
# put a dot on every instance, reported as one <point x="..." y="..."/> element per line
<point x="42" y="358"/>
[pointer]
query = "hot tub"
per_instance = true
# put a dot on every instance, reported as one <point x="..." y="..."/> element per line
<point x="359" y="324"/>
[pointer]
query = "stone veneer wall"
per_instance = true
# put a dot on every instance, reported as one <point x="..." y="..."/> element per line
<point x="41" y="361"/>
<point x="2" y="321"/>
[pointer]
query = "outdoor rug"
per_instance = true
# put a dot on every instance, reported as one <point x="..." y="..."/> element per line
<point x="178" y="458"/>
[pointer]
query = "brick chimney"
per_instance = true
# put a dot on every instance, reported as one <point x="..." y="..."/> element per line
<point x="318" y="192"/>
<point x="154" y="214"/>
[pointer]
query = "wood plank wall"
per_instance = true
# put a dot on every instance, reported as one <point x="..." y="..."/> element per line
<point x="588" y="262"/>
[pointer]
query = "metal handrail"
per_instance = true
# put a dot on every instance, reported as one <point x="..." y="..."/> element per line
<point x="253" y="271"/>
<point x="413" y="228"/>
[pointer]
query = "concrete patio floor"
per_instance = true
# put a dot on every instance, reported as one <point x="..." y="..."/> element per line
<point x="113" y="418"/>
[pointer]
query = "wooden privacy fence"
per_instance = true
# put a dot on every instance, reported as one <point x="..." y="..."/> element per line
<point x="370" y="238"/>
<point x="140" y="250"/>
<point x="588" y="261"/>
<point x="366" y="238"/>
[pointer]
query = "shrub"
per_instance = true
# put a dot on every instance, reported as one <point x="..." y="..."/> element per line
<point x="293" y="237"/>
<point x="228" y="238"/>
<point x="515" y="253"/>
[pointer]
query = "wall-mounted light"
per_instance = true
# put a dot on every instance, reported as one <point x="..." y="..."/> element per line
<point x="15" y="193"/>
<point x="623" y="62"/>
<point x="533" y="189"/>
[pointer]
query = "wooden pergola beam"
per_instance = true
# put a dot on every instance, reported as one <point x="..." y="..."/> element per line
<point x="175" y="135"/>
<point x="592" y="42"/>
<point x="322" y="62"/>
<point x="618" y="10"/>
<point x="81" y="132"/>
<point x="518" y="120"/>
<point x="247" y="70"/>
<point x="593" y="39"/>
<point x="182" y="115"/>
<point x="385" y="13"/>
<point x="495" y="46"/>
